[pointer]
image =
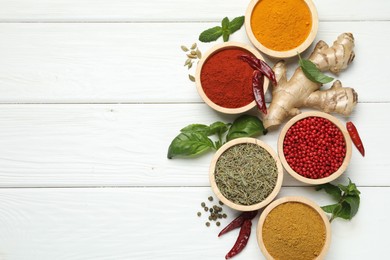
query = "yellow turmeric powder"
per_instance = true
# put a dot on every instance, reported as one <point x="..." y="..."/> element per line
<point x="294" y="231"/>
<point x="281" y="25"/>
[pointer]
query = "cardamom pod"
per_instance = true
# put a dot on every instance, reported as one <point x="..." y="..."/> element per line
<point x="184" y="48"/>
<point x="192" y="78"/>
<point x="193" y="46"/>
<point x="198" y="54"/>
<point x="193" y="52"/>
<point x="188" y="61"/>
<point x="190" y="65"/>
<point x="191" y="56"/>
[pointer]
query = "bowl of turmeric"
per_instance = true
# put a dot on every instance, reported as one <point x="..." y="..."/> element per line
<point x="293" y="228"/>
<point x="281" y="28"/>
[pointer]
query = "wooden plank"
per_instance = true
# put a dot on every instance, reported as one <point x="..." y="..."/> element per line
<point x="126" y="145"/>
<point x="170" y="10"/>
<point x="157" y="223"/>
<point x="92" y="63"/>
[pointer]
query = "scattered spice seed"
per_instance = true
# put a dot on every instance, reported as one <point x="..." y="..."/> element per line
<point x="184" y="48"/>
<point x="193" y="52"/>
<point x="206" y="209"/>
<point x="210" y="198"/>
<point x="218" y="223"/>
<point x="192" y="78"/>
<point x="224" y="215"/>
<point x="207" y="224"/>
<point x="191" y="56"/>
<point x="199" y="214"/>
<point x="193" y="46"/>
<point x="198" y="53"/>
<point x="211" y="210"/>
<point x="188" y="61"/>
<point x="203" y="204"/>
<point x="220" y="203"/>
<point x="210" y="218"/>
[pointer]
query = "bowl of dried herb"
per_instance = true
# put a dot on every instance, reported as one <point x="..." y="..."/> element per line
<point x="293" y="228"/>
<point x="246" y="174"/>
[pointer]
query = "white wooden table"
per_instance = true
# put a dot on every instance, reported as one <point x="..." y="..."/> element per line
<point x="92" y="92"/>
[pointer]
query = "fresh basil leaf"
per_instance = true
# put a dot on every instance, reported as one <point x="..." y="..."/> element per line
<point x="211" y="34"/>
<point x="196" y="128"/>
<point x="329" y="208"/>
<point x="189" y="144"/>
<point x="331" y="189"/>
<point x="218" y="128"/>
<point x="312" y="72"/>
<point x="236" y="24"/>
<point x="225" y="24"/>
<point x="246" y="126"/>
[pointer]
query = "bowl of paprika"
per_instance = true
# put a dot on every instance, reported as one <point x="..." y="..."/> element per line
<point x="293" y="228"/>
<point x="224" y="80"/>
<point x="314" y="147"/>
<point x="281" y="28"/>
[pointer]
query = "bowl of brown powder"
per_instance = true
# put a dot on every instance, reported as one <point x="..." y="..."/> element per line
<point x="246" y="174"/>
<point x="281" y="28"/>
<point x="293" y="228"/>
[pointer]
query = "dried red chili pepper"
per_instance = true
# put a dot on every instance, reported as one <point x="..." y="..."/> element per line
<point x="237" y="222"/>
<point x="260" y="65"/>
<point x="353" y="133"/>
<point x="242" y="239"/>
<point x="258" y="90"/>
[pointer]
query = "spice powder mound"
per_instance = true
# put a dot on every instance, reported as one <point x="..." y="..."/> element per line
<point x="227" y="80"/>
<point x="246" y="174"/>
<point x="281" y="25"/>
<point x="294" y="231"/>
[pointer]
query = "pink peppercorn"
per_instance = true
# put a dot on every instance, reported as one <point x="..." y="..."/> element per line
<point x="314" y="147"/>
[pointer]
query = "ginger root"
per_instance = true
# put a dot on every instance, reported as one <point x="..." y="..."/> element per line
<point x="299" y="91"/>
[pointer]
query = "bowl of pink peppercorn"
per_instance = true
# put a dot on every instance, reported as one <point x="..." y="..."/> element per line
<point x="314" y="147"/>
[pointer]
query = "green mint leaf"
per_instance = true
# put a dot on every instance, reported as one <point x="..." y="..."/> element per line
<point x="197" y="128"/>
<point x="236" y="24"/>
<point x="352" y="189"/>
<point x="331" y="189"/>
<point x="312" y="72"/>
<point x="245" y="126"/>
<point x="218" y="128"/>
<point x="225" y="24"/>
<point x="329" y="208"/>
<point x="353" y="202"/>
<point x="211" y="34"/>
<point x="225" y="36"/>
<point x="189" y="144"/>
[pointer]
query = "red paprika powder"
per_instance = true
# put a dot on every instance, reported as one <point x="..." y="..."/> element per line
<point x="314" y="147"/>
<point x="227" y="80"/>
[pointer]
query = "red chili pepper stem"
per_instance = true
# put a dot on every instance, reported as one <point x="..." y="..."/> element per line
<point x="242" y="239"/>
<point x="237" y="222"/>
<point x="354" y="134"/>
<point x="260" y="65"/>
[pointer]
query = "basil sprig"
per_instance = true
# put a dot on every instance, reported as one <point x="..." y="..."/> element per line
<point x="347" y="197"/>
<point x="312" y="72"/>
<point x="225" y="30"/>
<point x="194" y="139"/>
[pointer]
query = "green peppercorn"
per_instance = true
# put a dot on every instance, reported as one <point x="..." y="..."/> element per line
<point x="210" y="198"/>
<point x="211" y="210"/>
<point x="203" y="204"/>
<point x="220" y="203"/>
<point x="199" y="214"/>
<point x="207" y="224"/>
<point x="219" y="215"/>
<point x="206" y="209"/>
<point x="210" y="218"/>
<point x="218" y="223"/>
<point x="224" y="215"/>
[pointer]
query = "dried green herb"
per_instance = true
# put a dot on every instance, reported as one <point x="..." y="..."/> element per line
<point x="246" y="174"/>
